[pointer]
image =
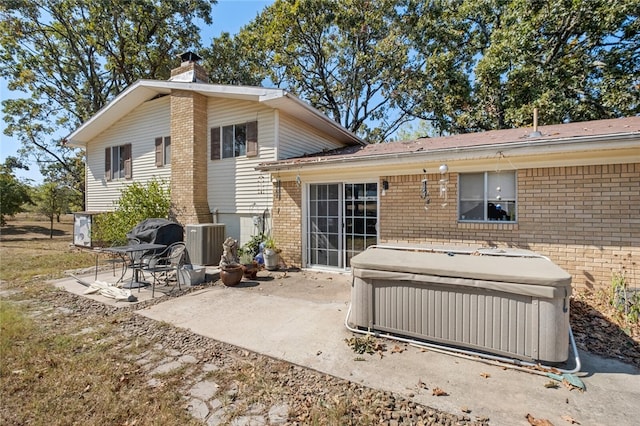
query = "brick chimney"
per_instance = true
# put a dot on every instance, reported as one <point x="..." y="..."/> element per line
<point x="189" y="146"/>
<point x="190" y="70"/>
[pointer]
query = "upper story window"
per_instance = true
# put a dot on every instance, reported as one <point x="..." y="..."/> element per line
<point x="236" y="140"/>
<point x="163" y="151"/>
<point x="487" y="196"/>
<point x="117" y="161"/>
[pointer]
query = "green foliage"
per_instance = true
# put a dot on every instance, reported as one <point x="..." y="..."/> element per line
<point x="13" y="193"/>
<point x="367" y="344"/>
<point x="252" y="247"/>
<point x="488" y="63"/>
<point x="625" y="300"/>
<point x="270" y="243"/>
<point x="137" y="202"/>
<point x="346" y="58"/>
<point x="65" y="175"/>
<point x="462" y="66"/>
<point x="232" y="60"/>
<point x="52" y="199"/>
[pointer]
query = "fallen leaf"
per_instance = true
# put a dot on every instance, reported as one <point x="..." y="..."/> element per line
<point x="439" y="392"/>
<point x="397" y="349"/>
<point x="570" y="420"/>
<point x="485" y="375"/>
<point x="538" y="422"/>
<point x="465" y="410"/>
<point x="551" y="385"/>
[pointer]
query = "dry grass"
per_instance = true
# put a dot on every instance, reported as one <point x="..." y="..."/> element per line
<point x="59" y="369"/>
<point x="28" y="253"/>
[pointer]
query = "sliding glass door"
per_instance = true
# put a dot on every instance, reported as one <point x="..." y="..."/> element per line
<point x="341" y="220"/>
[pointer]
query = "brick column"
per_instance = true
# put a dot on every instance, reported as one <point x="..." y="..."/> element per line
<point x="287" y="223"/>
<point x="189" y="158"/>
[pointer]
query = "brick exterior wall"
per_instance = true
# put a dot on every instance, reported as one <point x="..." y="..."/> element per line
<point x="189" y="158"/>
<point x="287" y="223"/>
<point x="585" y="219"/>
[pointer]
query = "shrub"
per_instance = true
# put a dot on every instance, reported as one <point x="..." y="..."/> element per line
<point x="137" y="202"/>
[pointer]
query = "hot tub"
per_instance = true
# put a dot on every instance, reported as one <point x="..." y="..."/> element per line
<point x="512" y="303"/>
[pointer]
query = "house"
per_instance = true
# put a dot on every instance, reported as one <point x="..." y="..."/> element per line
<point x="570" y="192"/>
<point x="255" y="158"/>
<point x="205" y="141"/>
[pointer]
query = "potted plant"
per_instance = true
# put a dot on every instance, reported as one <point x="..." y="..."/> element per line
<point x="249" y="265"/>
<point x="271" y="254"/>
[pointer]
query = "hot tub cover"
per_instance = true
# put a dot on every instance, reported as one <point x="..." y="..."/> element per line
<point x="457" y="264"/>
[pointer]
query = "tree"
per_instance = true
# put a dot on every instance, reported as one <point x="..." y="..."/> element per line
<point x="73" y="189"/>
<point x="137" y="202"/>
<point x="52" y="199"/>
<point x="487" y="64"/>
<point x="70" y="57"/>
<point x="461" y="65"/>
<point x="231" y="60"/>
<point x="345" y="58"/>
<point x="14" y="194"/>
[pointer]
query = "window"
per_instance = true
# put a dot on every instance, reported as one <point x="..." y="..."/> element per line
<point x="117" y="161"/>
<point x="163" y="151"/>
<point x="236" y="140"/>
<point x="487" y="196"/>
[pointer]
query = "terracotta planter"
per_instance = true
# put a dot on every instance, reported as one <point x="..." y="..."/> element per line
<point x="250" y="270"/>
<point x="231" y="275"/>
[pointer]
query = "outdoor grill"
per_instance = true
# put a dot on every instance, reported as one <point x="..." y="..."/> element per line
<point x="511" y="303"/>
<point x="157" y="231"/>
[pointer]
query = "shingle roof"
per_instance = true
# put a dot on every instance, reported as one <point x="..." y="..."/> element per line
<point x="568" y="132"/>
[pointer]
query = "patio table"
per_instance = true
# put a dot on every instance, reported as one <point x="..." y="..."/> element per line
<point x="130" y="251"/>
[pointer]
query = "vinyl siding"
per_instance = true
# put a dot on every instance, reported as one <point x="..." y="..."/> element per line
<point x="298" y="138"/>
<point x="234" y="186"/>
<point x="140" y="128"/>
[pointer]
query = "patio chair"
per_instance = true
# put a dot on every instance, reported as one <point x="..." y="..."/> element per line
<point x="162" y="264"/>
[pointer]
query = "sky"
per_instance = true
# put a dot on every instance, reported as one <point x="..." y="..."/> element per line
<point x="228" y="16"/>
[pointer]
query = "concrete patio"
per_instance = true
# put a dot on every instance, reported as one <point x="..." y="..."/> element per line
<point x="298" y="316"/>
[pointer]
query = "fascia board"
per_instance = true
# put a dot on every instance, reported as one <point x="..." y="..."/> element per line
<point x="552" y="153"/>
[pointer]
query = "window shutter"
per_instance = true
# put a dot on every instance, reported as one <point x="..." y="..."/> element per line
<point x="215" y="143"/>
<point x="159" y="159"/>
<point x="107" y="164"/>
<point x="127" y="161"/>
<point x="252" y="139"/>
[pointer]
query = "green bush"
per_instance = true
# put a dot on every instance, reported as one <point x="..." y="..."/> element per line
<point x="137" y="202"/>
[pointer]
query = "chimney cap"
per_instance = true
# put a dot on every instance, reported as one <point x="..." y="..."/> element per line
<point x="189" y="57"/>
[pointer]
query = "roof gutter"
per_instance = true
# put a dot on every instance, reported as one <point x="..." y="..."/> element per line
<point x="614" y="141"/>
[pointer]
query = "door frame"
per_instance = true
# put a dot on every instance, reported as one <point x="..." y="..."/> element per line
<point x="305" y="222"/>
